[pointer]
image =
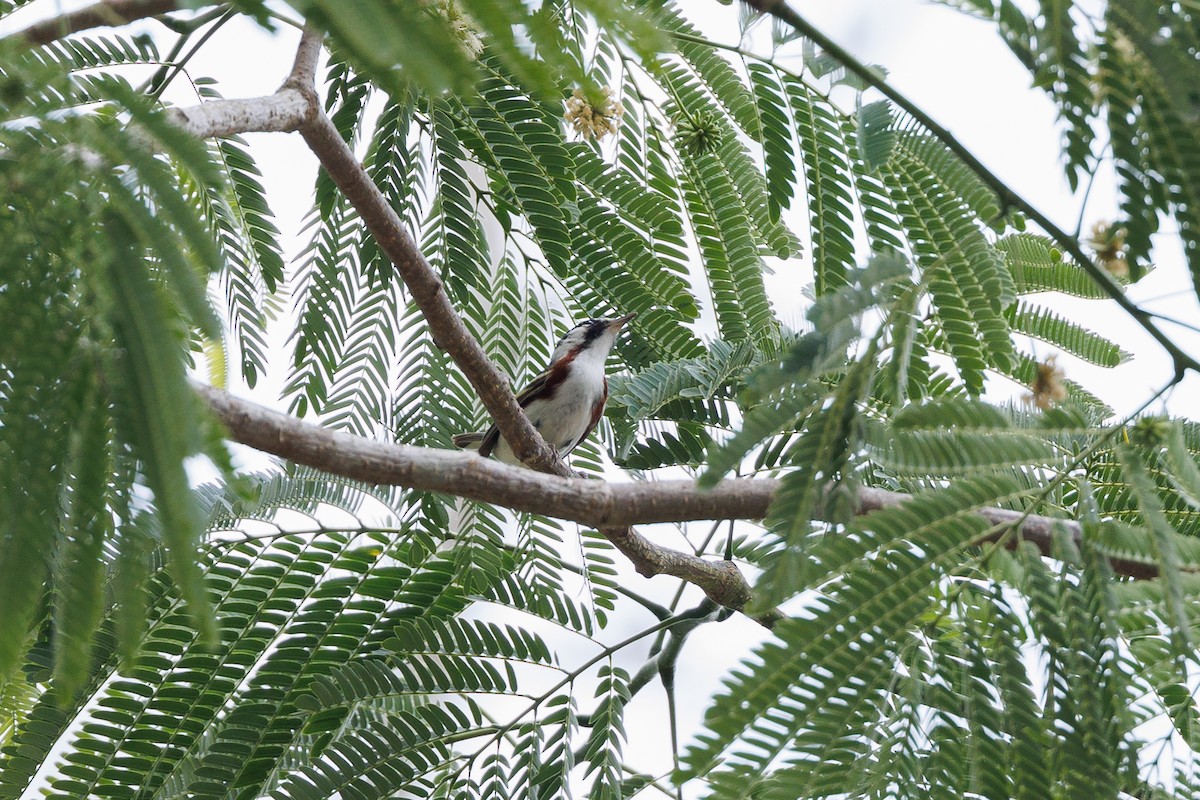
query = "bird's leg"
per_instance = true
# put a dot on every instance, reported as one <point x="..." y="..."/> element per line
<point x="567" y="461"/>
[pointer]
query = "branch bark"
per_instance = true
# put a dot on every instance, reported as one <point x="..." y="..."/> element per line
<point x="282" y="112"/>
<point x="612" y="508"/>
<point x="464" y="474"/>
<point x="588" y="502"/>
<point x="108" y="13"/>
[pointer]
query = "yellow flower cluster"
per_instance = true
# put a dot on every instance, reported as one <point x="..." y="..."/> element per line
<point x="595" y="114"/>
<point x="1108" y="242"/>
<point x="1048" y="387"/>
<point x="461" y="24"/>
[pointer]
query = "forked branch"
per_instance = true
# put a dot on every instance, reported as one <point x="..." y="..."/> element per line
<point x="613" y="508"/>
<point x="610" y="507"/>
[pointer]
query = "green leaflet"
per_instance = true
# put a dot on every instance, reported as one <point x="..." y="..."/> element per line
<point x="79" y="565"/>
<point x="395" y="165"/>
<point x="242" y="225"/>
<point x="156" y="411"/>
<point x="1062" y="68"/>
<point x="958" y="178"/>
<point x="954" y="453"/>
<point x="459" y="248"/>
<point x="731" y="258"/>
<point x="831" y="196"/>
<point x="383" y="756"/>
<point x="1168" y="128"/>
<point x="1180" y="465"/>
<point x="966" y="278"/>
<point x="734" y="160"/>
<point x="778" y="153"/>
<point x="645" y="393"/>
<point x="1044" y="324"/>
<point x="326" y="295"/>
<point x="652" y="212"/>
<point x="1037" y="265"/>
<point x="717" y="75"/>
<point x="531" y="164"/>
<point x="1162" y="538"/>
<point x="876" y="137"/>
<point x="686" y="446"/>
<point x="851" y="632"/>
<point x="1136" y="543"/>
<point x="602" y="752"/>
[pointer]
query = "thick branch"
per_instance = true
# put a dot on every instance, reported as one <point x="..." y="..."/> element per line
<point x="426" y="290"/>
<point x="588" y="502"/>
<point x="283" y="111"/>
<point x="108" y="13"/>
<point x="1008" y="197"/>
<point x="608" y="507"/>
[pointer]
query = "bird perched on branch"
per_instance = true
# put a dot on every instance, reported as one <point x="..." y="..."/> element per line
<point x="566" y="401"/>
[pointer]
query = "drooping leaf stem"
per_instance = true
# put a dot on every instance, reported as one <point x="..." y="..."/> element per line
<point x="175" y="66"/>
<point x="779" y="9"/>
<point x="686" y="617"/>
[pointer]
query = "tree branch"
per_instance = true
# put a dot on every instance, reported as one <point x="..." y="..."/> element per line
<point x="1008" y="197"/>
<point x="464" y="474"/>
<point x="285" y="111"/>
<point x="107" y="13"/>
<point x="303" y="76"/>
<point x="612" y="508"/>
<point x="588" y="502"/>
<point x="425" y="288"/>
<point x="281" y="112"/>
<point x="606" y="506"/>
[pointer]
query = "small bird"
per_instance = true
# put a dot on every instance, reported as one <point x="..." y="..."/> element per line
<point x="567" y="400"/>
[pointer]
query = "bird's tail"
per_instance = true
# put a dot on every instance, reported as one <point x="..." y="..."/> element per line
<point x="467" y="441"/>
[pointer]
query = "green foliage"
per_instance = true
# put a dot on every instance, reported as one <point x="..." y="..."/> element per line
<point x="324" y="638"/>
<point x="826" y="172"/>
<point x="1137" y="72"/>
<point x="1038" y="266"/>
<point x="101" y="408"/>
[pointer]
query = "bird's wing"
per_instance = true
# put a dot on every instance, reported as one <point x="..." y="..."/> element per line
<point x="597" y="413"/>
<point x="466" y="440"/>
<point x="491" y="436"/>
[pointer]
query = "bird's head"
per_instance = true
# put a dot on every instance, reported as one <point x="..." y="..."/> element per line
<point x="594" y="337"/>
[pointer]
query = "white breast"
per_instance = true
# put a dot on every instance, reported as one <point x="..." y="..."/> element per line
<point x="564" y="420"/>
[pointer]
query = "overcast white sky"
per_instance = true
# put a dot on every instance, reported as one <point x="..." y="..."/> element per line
<point x="954" y="67"/>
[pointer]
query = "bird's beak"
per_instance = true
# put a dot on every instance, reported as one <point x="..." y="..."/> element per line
<point x="619" y="322"/>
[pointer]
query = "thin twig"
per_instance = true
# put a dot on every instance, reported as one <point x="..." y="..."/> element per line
<point x="108" y="13"/>
<point x="1008" y="196"/>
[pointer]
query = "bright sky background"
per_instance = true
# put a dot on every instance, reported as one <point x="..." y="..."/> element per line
<point x="953" y="66"/>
